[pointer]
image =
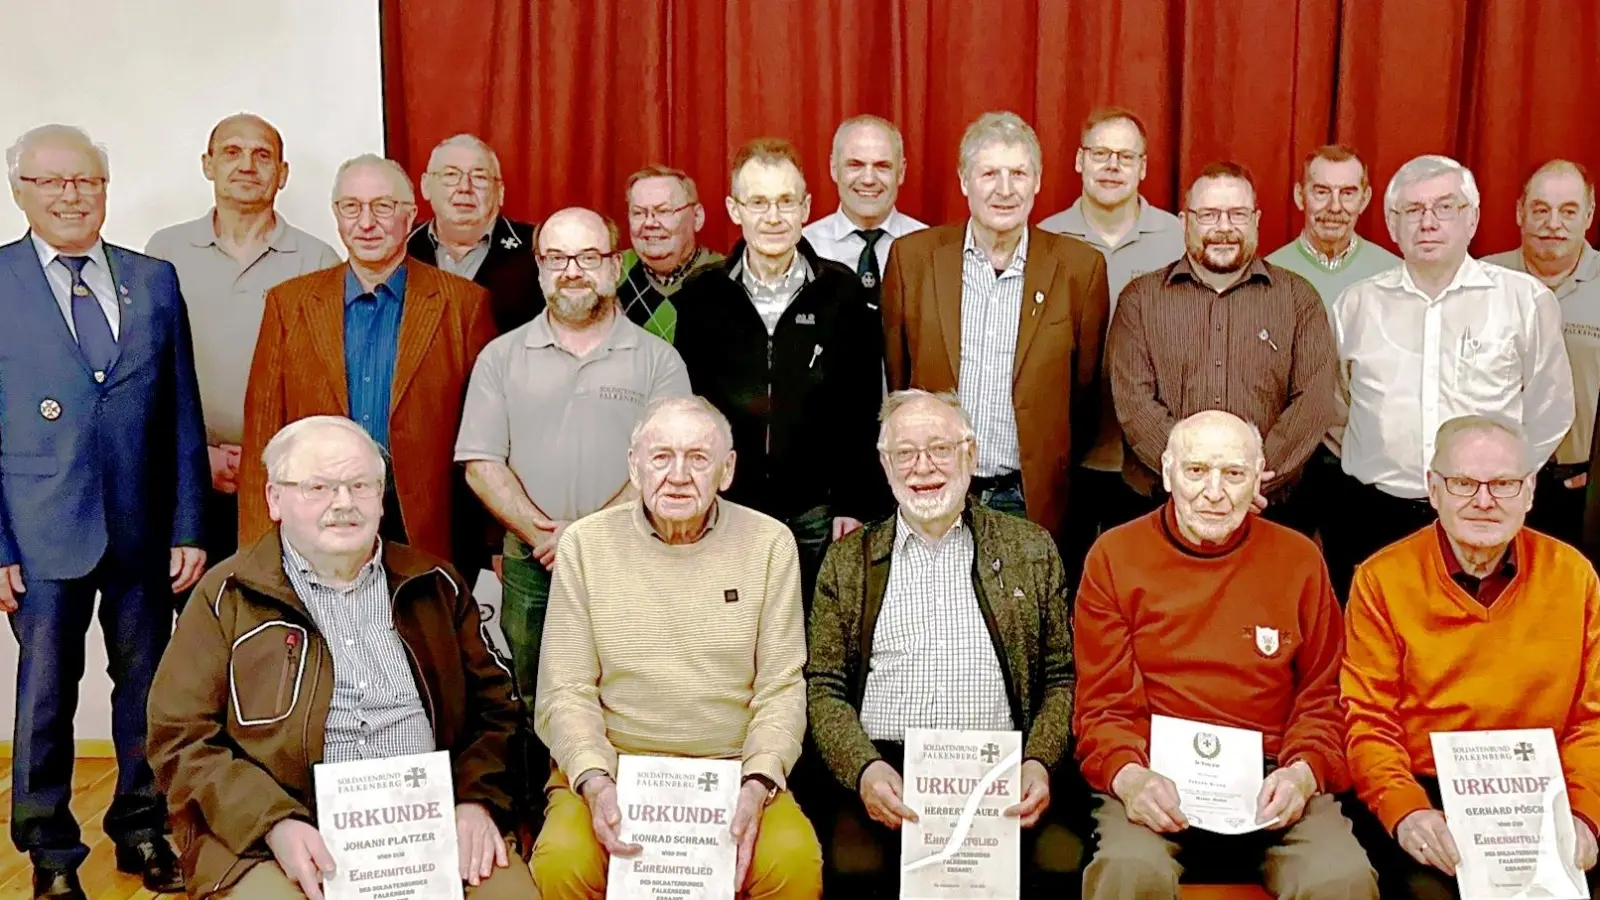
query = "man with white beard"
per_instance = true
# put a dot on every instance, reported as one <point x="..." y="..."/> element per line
<point x="936" y="642"/>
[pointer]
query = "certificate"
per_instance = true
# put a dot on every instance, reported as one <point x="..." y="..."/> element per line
<point x="390" y="826"/>
<point x="959" y="783"/>
<point x="681" y="812"/>
<point x="1505" y="799"/>
<point x="1218" y="771"/>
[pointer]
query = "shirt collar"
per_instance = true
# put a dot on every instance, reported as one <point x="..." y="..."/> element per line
<point x="433" y="234"/>
<point x="540" y="334"/>
<point x="1185" y="267"/>
<point x="1452" y="566"/>
<point x="48" y="254"/>
<point x="1471" y="274"/>
<point x="1019" y="259"/>
<point x="839" y="226"/>
<point x="293" y="558"/>
<point x="1329" y="263"/>
<point x="202" y="232"/>
<point x="1073" y="221"/>
<point x="904" y="534"/>
<point x="1169" y="527"/>
<point x="394" y="285"/>
<point x="798" y="269"/>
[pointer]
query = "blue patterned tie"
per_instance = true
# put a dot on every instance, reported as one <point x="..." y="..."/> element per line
<point x="89" y="320"/>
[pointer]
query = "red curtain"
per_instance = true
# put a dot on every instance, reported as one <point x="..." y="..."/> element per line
<point x="577" y="94"/>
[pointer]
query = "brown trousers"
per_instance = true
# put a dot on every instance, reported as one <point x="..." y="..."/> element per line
<point x="266" y="881"/>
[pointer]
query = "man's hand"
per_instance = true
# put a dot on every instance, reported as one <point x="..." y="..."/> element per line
<point x="188" y="564"/>
<point x="479" y="845"/>
<point x="600" y="792"/>
<point x="225" y="467"/>
<point x="544" y="549"/>
<point x="882" y="793"/>
<point x="1284" y="795"/>
<point x="1577" y="481"/>
<point x="1035" y="793"/>
<point x="1150" y="799"/>
<point x="1425" y="836"/>
<point x="843" y="525"/>
<point x="1259" y="502"/>
<point x="11" y="588"/>
<point x="300" y="852"/>
<point x="1587" y="848"/>
<point x="746" y="825"/>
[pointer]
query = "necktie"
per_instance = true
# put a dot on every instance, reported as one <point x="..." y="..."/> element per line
<point x="867" y="265"/>
<point x="89" y="320"/>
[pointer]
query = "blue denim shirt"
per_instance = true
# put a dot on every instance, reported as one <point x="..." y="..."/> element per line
<point x="371" y="343"/>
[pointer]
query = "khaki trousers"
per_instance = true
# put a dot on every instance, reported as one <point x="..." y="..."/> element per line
<point x="266" y="881"/>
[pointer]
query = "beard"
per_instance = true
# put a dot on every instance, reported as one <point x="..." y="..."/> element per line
<point x="581" y="309"/>
<point x="924" y="507"/>
<point x="1244" y="252"/>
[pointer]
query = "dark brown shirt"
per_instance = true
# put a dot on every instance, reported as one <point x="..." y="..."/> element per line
<point x="1262" y="350"/>
<point x="1485" y="590"/>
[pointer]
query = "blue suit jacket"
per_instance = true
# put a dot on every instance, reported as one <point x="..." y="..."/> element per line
<point x="89" y="467"/>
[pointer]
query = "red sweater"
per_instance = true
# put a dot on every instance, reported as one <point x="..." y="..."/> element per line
<point x="1164" y="626"/>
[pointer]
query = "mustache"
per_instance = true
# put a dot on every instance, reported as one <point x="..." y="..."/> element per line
<point x="343" y="517"/>
<point x="1222" y="237"/>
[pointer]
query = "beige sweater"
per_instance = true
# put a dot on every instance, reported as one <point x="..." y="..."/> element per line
<point x="692" y="650"/>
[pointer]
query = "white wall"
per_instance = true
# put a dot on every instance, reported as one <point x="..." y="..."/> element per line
<point x="148" y="79"/>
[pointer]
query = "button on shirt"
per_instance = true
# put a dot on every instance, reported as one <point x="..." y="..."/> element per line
<point x="933" y="662"/>
<point x="991" y="309"/>
<point x="772" y="299"/>
<point x="1490" y="344"/>
<point x="97" y="275"/>
<point x="834" y="237"/>
<point x="376" y="710"/>
<point x="371" y="343"/>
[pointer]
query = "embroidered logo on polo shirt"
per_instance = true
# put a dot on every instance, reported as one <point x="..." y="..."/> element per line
<point x="1267" y="641"/>
<point x="805" y="319"/>
<point x="607" y="392"/>
<point x="730" y="595"/>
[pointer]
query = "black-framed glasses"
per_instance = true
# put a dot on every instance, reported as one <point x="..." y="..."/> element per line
<point x="450" y="176"/>
<point x="382" y="208"/>
<point x="1238" y="215"/>
<point x="1102" y="155"/>
<point x="588" y="260"/>
<point x="659" y="213"/>
<point x="320" y="489"/>
<point x="54" y="184"/>
<point x="1499" y="488"/>
<point x="1443" y="211"/>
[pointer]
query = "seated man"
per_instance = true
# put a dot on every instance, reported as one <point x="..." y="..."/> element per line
<point x="1430" y="619"/>
<point x="872" y="674"/>
<point x="322" y="584"/>
<point x="719" y="584"/>
<point x="1203" y="611"/>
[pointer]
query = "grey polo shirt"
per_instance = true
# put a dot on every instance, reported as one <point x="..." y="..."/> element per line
<point x="562" y="423"/>
<point x="1155" y="240"/>
<point x="225" y="304"/>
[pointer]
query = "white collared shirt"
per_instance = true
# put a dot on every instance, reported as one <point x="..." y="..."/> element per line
<point x="97" y="275"/>
<point x="1489" y="345"/>
<point x="834" y="237"/>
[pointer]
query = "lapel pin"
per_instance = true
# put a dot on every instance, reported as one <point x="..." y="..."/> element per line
<point x="1038" y="297"/>
<point x="50" y="409"/>
<point x="996" y="564"/>
<point x="1017" y="594"/>
<point x="126" y="300"/>
<point x="510" y="243"/>
<point x="1268" y="338"/>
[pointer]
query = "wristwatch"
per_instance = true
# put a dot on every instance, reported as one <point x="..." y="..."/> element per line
<point x="768" y="783"/>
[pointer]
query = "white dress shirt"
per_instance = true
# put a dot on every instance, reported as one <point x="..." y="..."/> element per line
<point x="97" y="275"/>
<point x="1489" y="345"/>
<point x="834" y="237"/>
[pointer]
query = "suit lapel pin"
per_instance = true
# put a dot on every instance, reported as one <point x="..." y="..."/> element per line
<point x="1016" y="593"/>
<point x="126" y="300"/>
<point x="510" y="242"/>
<point x="995" y="564"/>
<point x="1038" y="301"/>
<point x="50" y="409"/>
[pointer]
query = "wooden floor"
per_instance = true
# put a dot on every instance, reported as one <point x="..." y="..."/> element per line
<point x="92" y="784"/>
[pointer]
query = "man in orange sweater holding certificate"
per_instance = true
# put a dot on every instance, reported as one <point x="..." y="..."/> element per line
<point x="1471" y="624"/>
<point x="1202" y="611"/>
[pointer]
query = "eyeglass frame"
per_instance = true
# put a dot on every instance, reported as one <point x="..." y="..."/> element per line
<point x="917" y="453"/>
<point x="443" y="177"/>
<point x="767" y="205"/>
<point x="55" y="185"/>
<point x="1477" y="485"/>
<point x="305" y="485"/>
<point x="568" y="258"/>
<point x="1125" y="158"/>
<point x="660" y="214"/>
<point x="370" y="205"/>
<point x="1236" y="215"/>
<point x="1414" y="213"/>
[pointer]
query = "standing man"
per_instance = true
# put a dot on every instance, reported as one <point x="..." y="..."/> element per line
<point x="227" y="260"/>
<point x="1441" y="336"/>
<point x="868" y="166"/>
<point x="784" y="343"/>
<point x="1222" y="329"/>
<point x="102" y="490"/>
<point x="1554" y="213"/>
<point x="1333" y="193"/>
<point x="387" y="342"/>
<point x="581" y="364"/>
<point x="1011" y="318"/>
<point x="468" y="236"/>
<point x="1135" y="238"/>
<point x="664" y="219"/>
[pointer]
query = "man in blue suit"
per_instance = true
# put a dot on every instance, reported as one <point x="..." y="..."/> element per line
<point x="102" y="477"/>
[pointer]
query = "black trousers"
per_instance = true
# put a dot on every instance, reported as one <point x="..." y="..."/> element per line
<point x="1100" y="502"/>
<point x="1365" y="521"/>
<point x="1557" y="509"/>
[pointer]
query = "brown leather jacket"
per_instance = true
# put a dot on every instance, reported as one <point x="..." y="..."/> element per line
<point x="242" y="694"/>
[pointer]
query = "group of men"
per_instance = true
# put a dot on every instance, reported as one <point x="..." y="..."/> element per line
<point x="1116" y="406"/>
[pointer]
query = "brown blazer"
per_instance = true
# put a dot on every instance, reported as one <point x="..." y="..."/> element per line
<point x="1056" y="381"/>
<point x="299" y="371"/>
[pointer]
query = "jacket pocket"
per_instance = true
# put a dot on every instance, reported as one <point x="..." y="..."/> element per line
<point x="28" y="464"/>
<point x="265" y="673"/>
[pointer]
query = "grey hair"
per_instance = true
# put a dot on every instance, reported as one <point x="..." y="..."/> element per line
<point x="693" y="404"/>
<point x="281" y="449"/>
<point x="903" y="398"/>
<point x="1423" y="168"/>
<point x="468" y="142"/>
<point x="1452" y="431"/>
<point x="32" y="136"/>
<point x="1002" y="127"/>
<point x="396" y="174"/>
<point x="896" y="139"/>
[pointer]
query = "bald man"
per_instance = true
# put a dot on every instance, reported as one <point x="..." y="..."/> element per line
<point x="1554" y="213"/>
<point x="1203" y="611"/>
<point x="227" y="260"/>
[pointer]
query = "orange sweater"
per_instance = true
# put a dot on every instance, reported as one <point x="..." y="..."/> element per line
<point x="1423" y="656"/>
<point x="1162" y="626"/>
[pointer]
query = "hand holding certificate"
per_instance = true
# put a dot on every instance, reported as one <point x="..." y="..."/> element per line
<point x="390" y="827"/>
<point x="681" y="812"/>
<point x="1217" y="772"/>
<point x="962" y="844"/>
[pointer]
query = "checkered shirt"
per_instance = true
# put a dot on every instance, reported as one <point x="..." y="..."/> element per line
<point x="772" y="299"/>
<point x="991" y="307"/>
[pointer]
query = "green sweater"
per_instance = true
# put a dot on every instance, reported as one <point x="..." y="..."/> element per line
<point x="648" y="303"/>
<point x="1368" y="260"/>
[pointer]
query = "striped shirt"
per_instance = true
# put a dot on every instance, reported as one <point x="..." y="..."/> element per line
<point x="376" y="711"/>
<point x="933" y="663"/>
<point x="991" y="309"/>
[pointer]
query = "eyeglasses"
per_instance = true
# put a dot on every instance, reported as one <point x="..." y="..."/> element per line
<point x="659" y="213"/>
<point x="53" y="185"/>
<point x="762" y="205"/>
<point x="320" y="489"/>
<point x="1236" y="216"/>
<point x="1499" y="488"/>
<point x="588" y="260"/>
<point x="940" y="453"/>
<point x="382" y="208"/>
<point x="1443" y="211"/>
<point x="451" y="177"/>
<point x="693" y="460"/>
<point x="1102" y="155"/>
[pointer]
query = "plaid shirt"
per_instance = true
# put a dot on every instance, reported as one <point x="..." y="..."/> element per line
<point x="991" y="308"/>
<point x="772" y="299"/>
<point x="933" y="663"/>
<point x="376" y="711"/>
